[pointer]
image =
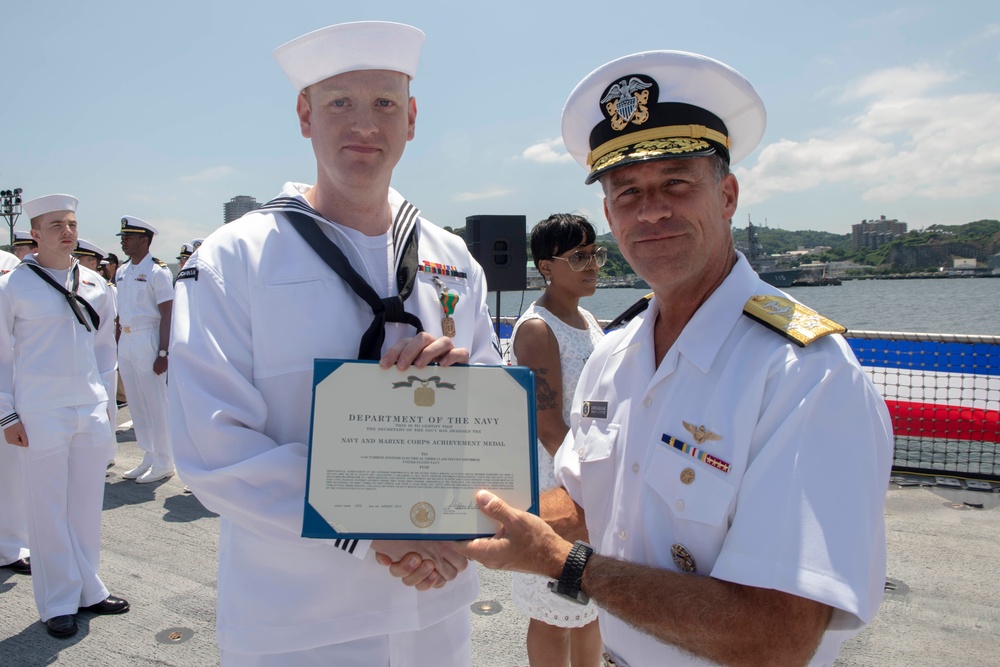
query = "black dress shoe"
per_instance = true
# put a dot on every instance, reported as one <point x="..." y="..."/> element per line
<point x="61" y="626"/>
<point x="21" y="566"/>
<point x="109" y="605"/>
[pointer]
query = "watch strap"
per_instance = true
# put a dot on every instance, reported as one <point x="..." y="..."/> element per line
<point x="572" y="574"/>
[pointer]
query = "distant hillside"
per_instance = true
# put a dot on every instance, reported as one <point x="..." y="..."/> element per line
<point x="927" y="249"/>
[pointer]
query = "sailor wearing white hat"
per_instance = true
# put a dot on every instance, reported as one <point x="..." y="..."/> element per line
<point x="145" y="300"/>
<point x="708" y="449"/>
<point x="23" y="244"/>
<point x="58" y="330"/>
<point x="248" y="325"/>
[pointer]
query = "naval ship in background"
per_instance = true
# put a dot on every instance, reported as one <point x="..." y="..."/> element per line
<point x="772" y="271"/>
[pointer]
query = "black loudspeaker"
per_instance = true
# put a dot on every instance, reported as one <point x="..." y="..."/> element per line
<point x="498" y="243"/>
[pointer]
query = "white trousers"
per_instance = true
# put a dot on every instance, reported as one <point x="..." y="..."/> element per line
<point x="13" y="509"/>
<point x="63" y="473"/>
<point x="147" y="395"/>
<point x="444" y="644"/>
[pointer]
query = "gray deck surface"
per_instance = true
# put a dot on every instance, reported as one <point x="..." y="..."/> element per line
<point x="159" y="552"/>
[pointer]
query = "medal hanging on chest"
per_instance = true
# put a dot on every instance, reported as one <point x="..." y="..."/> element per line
<point x="448" y="301"/>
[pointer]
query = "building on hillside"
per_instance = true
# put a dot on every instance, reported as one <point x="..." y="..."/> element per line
<point x="994" y="264"/>
<point x="874" y="233"/>
<point x="239" y="206"/>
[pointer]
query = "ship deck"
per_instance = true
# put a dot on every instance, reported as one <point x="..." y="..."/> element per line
<point x="159" y="552"/>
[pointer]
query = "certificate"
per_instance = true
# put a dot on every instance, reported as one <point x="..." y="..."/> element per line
<point x="401" y="455"/>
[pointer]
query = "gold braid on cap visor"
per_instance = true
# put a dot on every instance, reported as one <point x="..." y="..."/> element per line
<point x="655" y="141"/>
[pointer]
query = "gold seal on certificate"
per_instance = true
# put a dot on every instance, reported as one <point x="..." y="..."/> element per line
<point x="402" y="455"/>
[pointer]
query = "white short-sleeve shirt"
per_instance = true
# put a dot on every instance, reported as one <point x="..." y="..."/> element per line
<point x="765" y="463"/>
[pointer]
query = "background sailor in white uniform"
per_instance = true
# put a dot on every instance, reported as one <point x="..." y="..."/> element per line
<point x="23" y="244"/>
<point x="13" y="514"/>
<point x="91" y="256"/>
<point x="145" y="299"/>
<point x="731" y="480"/>
<point x="57" y="319"/>
<point x="255" y="306"/>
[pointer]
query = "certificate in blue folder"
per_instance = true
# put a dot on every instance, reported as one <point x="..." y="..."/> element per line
<point x="401" y="455"/>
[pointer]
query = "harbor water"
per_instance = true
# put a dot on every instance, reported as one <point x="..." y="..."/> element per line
<point x="953" y="305"/>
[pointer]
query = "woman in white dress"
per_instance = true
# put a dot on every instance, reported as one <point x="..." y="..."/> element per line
<point x="555" y="337"/>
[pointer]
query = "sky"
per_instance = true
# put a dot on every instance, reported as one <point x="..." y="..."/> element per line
<point x="165" y="111"/>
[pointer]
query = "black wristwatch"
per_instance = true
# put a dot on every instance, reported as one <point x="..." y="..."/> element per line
<point x="568" y="585"/>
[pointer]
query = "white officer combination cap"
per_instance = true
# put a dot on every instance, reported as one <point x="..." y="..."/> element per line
<point x="186" y="251"/>
<point x="133" y="225"/>
<point x="660" y="105"/>
<point x="196" y="243"/>
<point x="50" y="204"/>
<point x="84" y="247"/>
<point x="23" y="238"/>
<point x="348" y="47"/>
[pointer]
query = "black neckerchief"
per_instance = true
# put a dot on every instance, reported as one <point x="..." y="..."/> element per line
<point x="389" y="309"/>
<point x="72" y="298"/>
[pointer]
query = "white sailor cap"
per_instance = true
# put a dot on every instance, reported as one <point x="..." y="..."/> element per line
<point x="186" y="251"/>
<point x="23" y="238"/>
<point x="133" y="225"/>
<point x="50" y="204"/>
<point x="88" y="249"/>
<point x="659" y="105"/>
<point x="347" y="47"/>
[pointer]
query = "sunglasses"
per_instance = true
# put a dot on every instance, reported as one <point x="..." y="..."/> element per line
<point x="580" y="260"/>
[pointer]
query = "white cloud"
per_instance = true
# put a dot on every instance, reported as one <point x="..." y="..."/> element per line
<point x="210" y="174"/>
<point x="547" y="152"/>
<point x="492" y="193"/>
<point x="906" y="81"/>
<point x="907" y="143"/>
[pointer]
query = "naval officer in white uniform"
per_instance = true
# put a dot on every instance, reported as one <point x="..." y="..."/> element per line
<point x="256" y="305"/>
<point x="91" y="256"/>
<point x="145" y="299"/>
<point x="13" y="514"/>
<point x="727" y="454"/>
<point x="23" y="244"/>
<point x="57" y="366"/>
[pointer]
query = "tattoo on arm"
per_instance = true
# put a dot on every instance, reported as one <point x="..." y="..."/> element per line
<point x="545" y="396"/>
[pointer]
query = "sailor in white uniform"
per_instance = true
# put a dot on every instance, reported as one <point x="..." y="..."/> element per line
<point x="184" y="255"/>
<point x="23" y="244"/>
<point x="13" y="514"/>
<point x="57" y="364"/>
<point x="727" y="454"/>
<point x="145" y="299"/>
<point x="256" y="305"/>
<point x="91" y="256"/>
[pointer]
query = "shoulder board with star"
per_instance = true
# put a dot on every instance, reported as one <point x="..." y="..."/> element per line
<point x="159" y="262"/>
<point x="796" y="322"/>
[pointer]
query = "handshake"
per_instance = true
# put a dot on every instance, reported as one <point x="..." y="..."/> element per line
<point x="524" y="543"/>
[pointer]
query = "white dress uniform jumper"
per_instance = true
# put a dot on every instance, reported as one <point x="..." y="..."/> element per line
<point x="57" y="367"/>
<point x="255" y="305"/>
